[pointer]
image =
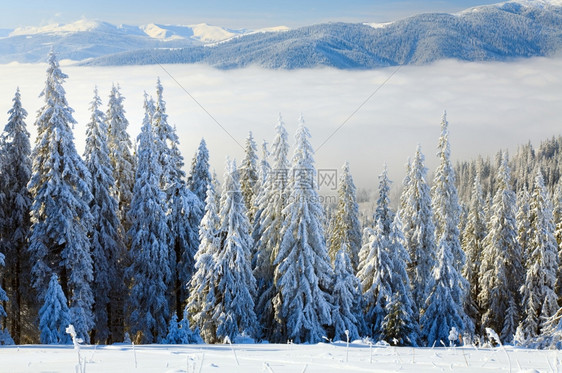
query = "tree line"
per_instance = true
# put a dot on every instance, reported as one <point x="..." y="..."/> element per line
<point x="123" y="244"/>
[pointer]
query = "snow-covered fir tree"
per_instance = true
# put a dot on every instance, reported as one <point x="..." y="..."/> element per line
<point x="419" y="230"/>
<point x="235" y="285"/>
<point x="345" y="226"/>
<point x="375" y="261"/>
<point x="200" y="174"/>
<point x="184" y="209"/>
<point x="15" y="172"/>
<point x="447" y="212"/>
<point x="60" y="187"/>
<point x="303" y="273"/>
<point x="202" y="286"/>
<point x="347" y="314"/>
<point x="107" y="246"/>
<point x="123" y="164"/>
<point x="266" y="233"/>
<point x="446" y="207"/>
<point x="185" y="213"/>
<point x="523" y="219"/>
<point x="120" y="153"/>
<point x="557" y="215"/>
<point x="179" y="332"/>
<point x="386" y="286"/>
<point x="149" y="271"/>
<point x="501" y="271"/>
<point x="406" y="184"/>
<point x="375" y="274"/>
<point x="383" y="210"/>
<point x="444" y="308"/>
<point x="54" y="315"/>
<point x="472" y="243"/>
<point x="265" y="167"/>
<point x="539" y="298"/>
<point x="394" y="324"/>
<point x="249" y="175"/>
<point x="402" y="325"/>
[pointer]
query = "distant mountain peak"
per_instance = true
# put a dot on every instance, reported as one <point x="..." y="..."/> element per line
<point x="378" y="25"/>
<point x="81" y="25"/>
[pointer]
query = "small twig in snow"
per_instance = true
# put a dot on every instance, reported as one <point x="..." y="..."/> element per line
<point x="227" y="340"/>
<point x="134" y="353"/>
<point x="267" y="367"/>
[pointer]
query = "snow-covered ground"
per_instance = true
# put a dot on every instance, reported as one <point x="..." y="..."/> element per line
<point x="275" y="358"/>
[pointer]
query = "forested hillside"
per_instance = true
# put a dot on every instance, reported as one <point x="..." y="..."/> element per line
<point x="124" y="245"/>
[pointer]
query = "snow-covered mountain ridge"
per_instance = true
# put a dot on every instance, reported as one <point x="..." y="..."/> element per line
<point x="507" y="30"/>
<point x="85" y="39"/>
<point x="200" y="32"/>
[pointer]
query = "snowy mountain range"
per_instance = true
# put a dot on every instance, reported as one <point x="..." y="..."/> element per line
<point x="503" y="31"/>
<point x="86" y="39"/>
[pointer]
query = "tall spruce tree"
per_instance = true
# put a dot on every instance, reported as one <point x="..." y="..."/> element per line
<point x="447" y="217"/>
<point x="557" y="215"/>
<point x="15" y="204"/>
<point x="540" y="301"/>
<point x="406" y="184"/>
<point x="347" y="316"/>
<point x="202" y="286"/>
<point x="123" y="164"/>
<point x="60" y="213"/>
<point x="444" y="308"/>
<point x="185" y="213"/>
<point x="265" y="167"/>
<point x="266" y="233"/>
<point x="107" y="244"/>
<point x="419" y="230"/>
<point x="345" y="226"/>
<point x="523" y="219"/>
<point x="383" y="210"/>
<point x="200" y="175"/>
<point x="472" y="243"/>
<point x="120" y="153"/>
<point x="401" y="322"/>
<point x="501" y="271"/>
<point x="446" y="205"/>
<point x="183" y="208"/>
<point x="375" y="274"/>
<point x="235" y="285"/>
<point x="249" y="175"/>
<point x="149" y="254"/>
<point x="303" y="274"/>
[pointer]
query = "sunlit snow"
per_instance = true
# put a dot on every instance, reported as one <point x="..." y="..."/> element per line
<point x="287" y="358"/>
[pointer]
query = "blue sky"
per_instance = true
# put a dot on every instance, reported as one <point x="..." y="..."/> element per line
<point x="234" y="14"/>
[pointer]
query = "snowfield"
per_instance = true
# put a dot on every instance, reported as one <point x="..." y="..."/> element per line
<point x="275" y="358"/>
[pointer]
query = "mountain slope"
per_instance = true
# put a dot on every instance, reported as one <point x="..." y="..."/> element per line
<point x="90" y="39"/>
<point x="487" y="33"/>
<point x="513" y="29"/>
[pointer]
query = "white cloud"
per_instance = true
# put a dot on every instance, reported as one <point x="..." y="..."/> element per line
<point x="489" y="105"/>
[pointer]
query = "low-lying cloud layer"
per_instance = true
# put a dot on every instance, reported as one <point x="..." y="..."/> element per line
<point x="489" y="106"/>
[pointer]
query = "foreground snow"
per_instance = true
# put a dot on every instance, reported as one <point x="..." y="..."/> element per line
<point x="270" y="358"/>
